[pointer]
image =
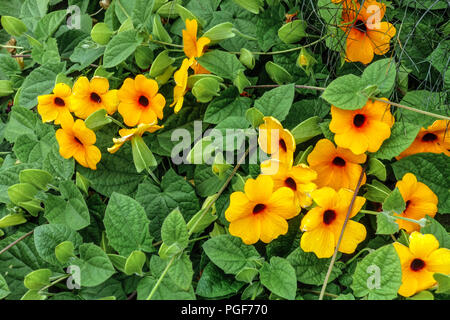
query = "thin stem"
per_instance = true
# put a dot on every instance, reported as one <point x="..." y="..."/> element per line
<point x="298" y="86"/>
<point x="10" y="47"/>
<point x="53" y="283"/>
<point x="167" y="43"/>
<point x="357" y="255"/>
<point x="396" y="217"/>
<point x="123" y="9"/>
<point x="317" y="292"/>
<point x="161" y="277"/>
<point x="199" y="238"/>
<point x="116" y="122"/>
<point x="91" y="15"/>
<point x="152" y="175"/>
<point x="16" y="241"/>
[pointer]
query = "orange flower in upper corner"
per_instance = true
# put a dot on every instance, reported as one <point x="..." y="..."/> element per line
<point x="364" y="129"/>
<point x="322" y="224"/>
<point x="128" y="134"/>
<point x="260" y="212"/>
<point x="180" y="77"/>
<point x="193" y="47"/>
<point x="273" y="139"/>
<point x="434" y="139"/>
<point x="298" y="178"/>
<point x="420" y="261"/>
<point x="336" y="167"/>
<point x="76" y="140"/>
<point x="420" y="202"/>
<point x="140" y="101"/>
<point x="56" y="106"/>
<point x="366" y="33"/>
<point x="90" y="96"/>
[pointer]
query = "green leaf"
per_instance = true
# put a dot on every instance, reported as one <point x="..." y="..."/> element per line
<point x="161" y="62"/>
<point x="37" y="279"/>
<point x="49" y="23"/>
<point x="206" y="182"/>
<point x="394" y="202"/>
<point x="277" y="73"/>
<point x="159" y="31"/>
<point x="134" y="263"/>
<point x="276" y="102"/>
<point x="279" y="277"/>
<point x="95" y="267"/>
<point x="33" y="295"/>
<point x="127" y="232"/>
<point x="431" y="169"/>
<point x="57" y="165"/>
<point x="64" y="251"/>
<point x="292" y="31"/>
<point x="381" y="73"/>
<point x="120" y="48"/>
<point x="230" y="253"/>
<point x="307" y="130"/>
<point x="443" y="282"/>
<point x="378" y="275"/>
<point x="220" y="32"/>
<point x="143" y="158"/>
<point x="21" y="121"/>
<point x="376" y="192"/>
<point x="386" y="224"/>
<point x="214" y="283"/>
<point x="13" y="26"/>
<point x="221" y="63"/>
<point x="402" y="135"/>
<point x="4" y="290"/>
<point x="229" y="103"/>
<point x="423" y="295"/>
<point x="97" y="119"/>
<point x="423" y="100"/>
<point x="310" y="269"/>
<point x="174" y="230"/>
<point x="346" y="92"/>
<point x="377" y="169"/>
<point x="38" y="178"/>
<point x="254" y="6"/>
<point x="181" y="272"/>
<point x="435" y="228"/>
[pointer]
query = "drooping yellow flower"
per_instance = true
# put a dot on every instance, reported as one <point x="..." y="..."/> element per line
<point x="434" y="139"/>
<point x="336" y="167"/>
<point x="180" y="77"/>
<point x="273" y="139"/>
<point x="76" y="140"/>
<point x="322" y="224"/>
<point x="140" y="101"/>
<point x="298" y="178"/>
<point x="128" y="134"/>
<point x="261" y="212"/>
<point x="364" y="129"/>
<point x="420" y="202"/>
<point x="56" y="106"/>
<point x="420" y="261"/>
<point x="366" y="33"/>
<point x="90" y="96"/>
<point x="193" y="47"/>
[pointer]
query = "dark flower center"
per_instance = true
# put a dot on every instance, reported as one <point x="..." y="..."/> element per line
<point x="143" y="101"/>
<point x="290" y="183"/>
<point x="258" y="208"/>
<point x="329" y="216"/>
<point x="359" y="120"/>
<point x="78" y="140"/>
<point x="417" y="264"/>
<point x="283" y="145"/>
<point x="338" y="161"/>
<point x="59" y="102"/>
<point x="407" y="204"/>
<point x="360" y="26"/>
<point x="429" y="137"/>
<point x="95" y="97"/>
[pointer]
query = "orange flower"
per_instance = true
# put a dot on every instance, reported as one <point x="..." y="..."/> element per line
<point x="434" y="139"/>
<point x="420" y="261"/>
<point x="322" y="224"/>
<point x="76" y="140"/>
<point x="90" y="96"/>
<point x="276" y="141"/>
<point x="260" y="212"/>
<point x="193" y="47"/>
<point x="180" y="77"/>
<point x="128" y="134"/>
<point x="366" y="33"/>
<point x="363" y="129"/>
<point x="336" y="167"/>
<point x="140" y="101"/>
<point x="420" y="202"/>
<point x="298" y="178"/>
<point x="55" y="106"/>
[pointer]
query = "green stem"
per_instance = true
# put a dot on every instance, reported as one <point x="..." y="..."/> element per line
<point x="116" y="122"/>
<point x="161" y="277"/>
<point x="317" y="292"/>
<point x="200" y="238"/>
<point x="152" y="175"/>
<point x="357" y="255"/>
<point x="166" y="43"/>
<point x="53" y="283"/>
<point x="123" y="9"/>
<point x="396" y="217"/>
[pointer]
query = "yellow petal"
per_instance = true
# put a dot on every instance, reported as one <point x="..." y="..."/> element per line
<point x="421" y="245"/>
<point x="354" y="234"/>
<point x="260" y="189"/>
<point x="247" y="228"/>
<point x="320" y="241"/>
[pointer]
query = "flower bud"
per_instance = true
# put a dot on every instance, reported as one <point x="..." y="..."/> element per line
<point x="220" y="32"/>
<point x="5" y="88"/>
<point x="247" y="58"/>
<point x="101" y="33"/>
<point x="205" y="89"/>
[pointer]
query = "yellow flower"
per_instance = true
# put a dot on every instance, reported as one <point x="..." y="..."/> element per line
<point x="193" y="47"/>
<point x="180" y="77"/>
<point x="260" y="212"/>
<point x="275" y="140"/>
<point x="420" y="261"/>
<point x="322" y="224"/>
<point x="76" y="140"/>
<point x="90" y="96"/>
<point x="140" y="101"/>
<point x="434" y="139"/>
<point x="364" y="129"/>
<point x="336" y="167"/>
<point x="298" y="178"/>
<point x="128" y="134"/>
<point x="56" y="106"/>
<point x="420" y="202"/>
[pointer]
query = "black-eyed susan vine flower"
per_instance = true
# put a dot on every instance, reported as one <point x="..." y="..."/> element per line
<point x="56" y="106"/>
<point x="299" y="178"/>
<point x="193" y="47"/>
<point x="90" y="96"/>
<point x="366" y="33"/>
<point x="273" y="139"/>
<point x="322" y="224"/>
<point x="420" y="261"/>
<point x="420" y="202"/>
<point x="364" y="129"/>
<point x="260" y="213"/>
<point x="434" y="139"/>
<point x="336" y="167"/>
<point x="77" y="141"/>
<point x="128" y="134"/>
<point x="180" y="76"/>
<point x="140" y="101"/>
